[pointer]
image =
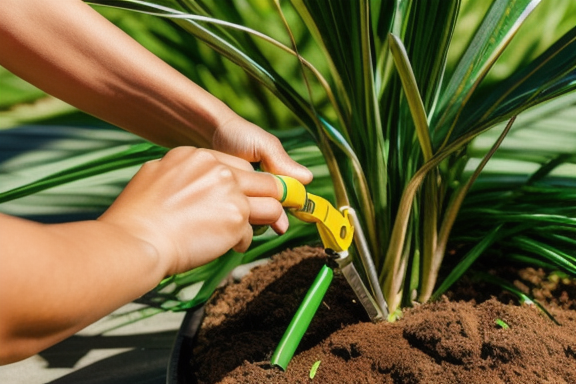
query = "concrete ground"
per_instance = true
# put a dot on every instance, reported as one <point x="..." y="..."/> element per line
<point x="134" y="353"/>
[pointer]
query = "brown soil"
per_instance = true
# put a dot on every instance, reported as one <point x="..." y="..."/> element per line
<point x="445" y="342"/>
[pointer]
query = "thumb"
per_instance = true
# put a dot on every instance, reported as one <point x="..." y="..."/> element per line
<point x="279" y="163"/>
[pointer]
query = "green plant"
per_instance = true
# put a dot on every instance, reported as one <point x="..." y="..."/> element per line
<point x="314" y="369"/>
<point x="400" y="98"/>
<point x="502" y="324"/>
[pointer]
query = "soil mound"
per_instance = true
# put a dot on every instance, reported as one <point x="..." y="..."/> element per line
<point x="443" y="342"/>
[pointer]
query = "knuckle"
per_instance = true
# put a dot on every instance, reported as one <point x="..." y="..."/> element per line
<point x="203" y="152"/>
<point x="149" y="165"/>
<point x="224" y="173"/>
<point x="243" y="164"/>
<point x="274" y="143"/>
<point x="242" y="247"/>
<point x="203" y="155"/>
<point x="179" y="155"/>
<point x="179" y="152"/>
<point x="245" y="240"/>
<point x="239" y="214"/>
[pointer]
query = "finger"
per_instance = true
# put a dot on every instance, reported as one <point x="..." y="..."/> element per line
<point x="264" y="210"/>
<point x="233" y="161"/>
<point x="281" y="225"/>
<point x="245" y="241"/>
<point x="258" y="184"/>
<point x="275" y="160"/>
<point x="268" y="211"/>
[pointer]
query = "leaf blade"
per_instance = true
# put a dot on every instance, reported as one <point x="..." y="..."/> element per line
<point x="502" y="21"/>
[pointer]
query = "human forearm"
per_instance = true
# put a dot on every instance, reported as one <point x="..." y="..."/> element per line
<point x="57" y="279"/>
<point x="73" y="53"/>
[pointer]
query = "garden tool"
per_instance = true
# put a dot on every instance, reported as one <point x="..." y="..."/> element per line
<point x="337" y="229"/>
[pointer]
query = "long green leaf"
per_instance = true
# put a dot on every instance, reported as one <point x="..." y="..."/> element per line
<point x="466" y="262"/>
<point x="16" y="91"/>
<point x="412" y="95"/>
<point x="502" y="283"/>
<point x="427" y="38"/>
<point x="497" y="29"/>
<point x="556" y="256"/>
<point x="133" y="155"/>
<point x="552" y="74"/>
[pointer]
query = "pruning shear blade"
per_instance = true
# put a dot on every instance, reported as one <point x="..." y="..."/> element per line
<point x="352" y="276"/>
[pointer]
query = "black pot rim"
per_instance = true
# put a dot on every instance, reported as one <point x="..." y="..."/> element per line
<point x="181" y="353"/>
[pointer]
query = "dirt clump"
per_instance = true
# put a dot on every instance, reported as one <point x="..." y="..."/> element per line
<point x="442" y="342"/>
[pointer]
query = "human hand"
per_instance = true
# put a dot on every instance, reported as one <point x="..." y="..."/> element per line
<point x="193" y="205"/>
<point x="238" y="137"/>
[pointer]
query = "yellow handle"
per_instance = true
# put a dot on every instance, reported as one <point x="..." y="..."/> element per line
<point x="294" y="193"/>
<point x="334" y="226"/>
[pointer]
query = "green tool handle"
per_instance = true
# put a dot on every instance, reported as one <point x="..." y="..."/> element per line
<point x="302" y="319"/>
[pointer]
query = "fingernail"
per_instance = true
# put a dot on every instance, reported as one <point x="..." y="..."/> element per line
<point x="307" y="174"/>
<point x="282" y="224"/>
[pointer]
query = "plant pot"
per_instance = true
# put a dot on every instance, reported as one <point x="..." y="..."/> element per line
<point x="178" y="370"/>
<point x="181" y="353"/>
<point x="447" y="341"/>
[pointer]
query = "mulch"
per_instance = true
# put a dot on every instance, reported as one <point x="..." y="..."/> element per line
<point x="481" y="339"/>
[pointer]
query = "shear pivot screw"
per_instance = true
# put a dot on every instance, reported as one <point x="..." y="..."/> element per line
<point x="331" y="253"/>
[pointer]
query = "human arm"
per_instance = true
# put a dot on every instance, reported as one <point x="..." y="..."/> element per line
<point x="70" y="51"/>
<point x="175" y="214"/>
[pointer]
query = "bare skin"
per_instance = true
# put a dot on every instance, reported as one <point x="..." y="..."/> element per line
<point x="177" y="213"/>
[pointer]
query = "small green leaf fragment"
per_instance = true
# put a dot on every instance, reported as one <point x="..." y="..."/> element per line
<point x="314" y="369"/>
<point x="396" y="315"/>
<point x="502" y="323"/>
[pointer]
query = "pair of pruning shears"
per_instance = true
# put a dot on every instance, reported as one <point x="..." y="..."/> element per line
<point x="337" y="229"/>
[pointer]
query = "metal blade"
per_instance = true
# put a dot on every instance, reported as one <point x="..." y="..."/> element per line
<point x="366" y="258"/>
<point x="362" y="293"/>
